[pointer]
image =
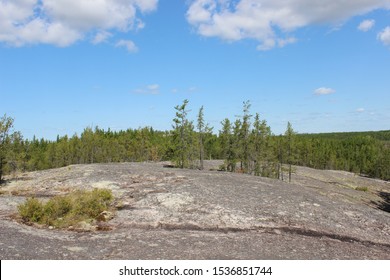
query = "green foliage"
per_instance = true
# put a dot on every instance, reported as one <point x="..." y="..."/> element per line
<point x="91" y="204"/>
<point x="246" y="145"/>
<point x="204" y="137"/>
<point x="32" y="210"/>
<point x="227" y="146"/>
<point x="67" y="210"/>
<point x="183" y="138"/>
<point x="6" y="123"/>
<point x="56" y="209"/>
<point x="290" y="148"/>
<point x="359" y="154"/>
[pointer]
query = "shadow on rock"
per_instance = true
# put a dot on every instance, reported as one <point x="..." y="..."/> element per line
<point x="384" y="205"/>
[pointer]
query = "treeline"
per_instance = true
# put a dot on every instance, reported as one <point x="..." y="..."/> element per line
<point x="92" y="146"/>
<point x="246" y="145"/>
<point x="383" y="135"/>
<point x="363" y="155"/>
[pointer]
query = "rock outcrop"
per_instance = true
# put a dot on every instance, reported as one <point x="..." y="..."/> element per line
<point x="191" y="214"/>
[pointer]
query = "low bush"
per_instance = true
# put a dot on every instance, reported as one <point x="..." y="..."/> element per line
<point x="67" y="210"/>
<point x="362" y="189"/>
<point x="31" y="210"/>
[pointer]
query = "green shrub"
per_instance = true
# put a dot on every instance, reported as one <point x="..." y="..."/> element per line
<point x="56" y="209"/>
<point x="91" y="204"/>
<point x="32" y="210"/>
<point x="67" y="210"/>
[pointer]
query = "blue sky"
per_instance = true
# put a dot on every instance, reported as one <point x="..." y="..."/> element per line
<point x="69" y="64"/>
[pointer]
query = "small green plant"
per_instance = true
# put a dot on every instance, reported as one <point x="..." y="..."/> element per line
<point x="67" y="210"/>
<point x="362" y="189"/>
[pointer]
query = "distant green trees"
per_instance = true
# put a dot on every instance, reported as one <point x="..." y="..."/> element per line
<point x="92" y="146"/>
<point x="246" y="145"/>
<point x="361" y="153"/>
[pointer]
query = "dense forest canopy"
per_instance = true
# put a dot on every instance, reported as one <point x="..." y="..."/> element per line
<point x="246" y="145"/>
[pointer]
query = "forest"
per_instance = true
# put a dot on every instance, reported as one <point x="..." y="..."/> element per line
<point x="245" y="144"/>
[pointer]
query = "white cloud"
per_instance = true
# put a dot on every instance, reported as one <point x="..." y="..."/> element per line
<point x="366" y="25"/>
<point x="146" y="5"/>
<point x="360" y="110"/>
<point x="128" y="45"/>
<point x="149" y="89"/>
<point x="384" y="36"/>
<point x="101" y="37"/>
<point x="324" y="91"/>
<point x="63" y="22"/>
<point x="284" y="42"/>
<point x="234" y="20"/>
<point x="154" y="87"/>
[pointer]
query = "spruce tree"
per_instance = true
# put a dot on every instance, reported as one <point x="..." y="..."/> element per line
<point x="183" y="137"/>
<point x="290" y="136"/>
<point x="244" y="142"/>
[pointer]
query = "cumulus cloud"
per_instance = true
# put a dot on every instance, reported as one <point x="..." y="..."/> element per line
<point x="324" y="91"/>
<point x="366" y="25"/>
<point x="384" y="36"/>
<point x="63" y="22"/>
<point x="269" y="22"/>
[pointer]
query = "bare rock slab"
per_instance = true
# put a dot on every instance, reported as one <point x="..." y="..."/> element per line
<point x="168" y="213"/>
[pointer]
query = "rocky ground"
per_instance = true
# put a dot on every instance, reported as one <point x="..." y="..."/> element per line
<point x="168" y="213"/>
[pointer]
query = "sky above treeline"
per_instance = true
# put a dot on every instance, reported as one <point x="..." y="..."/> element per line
<point x="70" y="64"/>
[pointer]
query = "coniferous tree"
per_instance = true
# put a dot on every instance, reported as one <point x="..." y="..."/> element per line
<point x="256" y="144"/>
<point x="15" y="155"/>
<point x="6" y="123"/>
<point x="244" y="142"/>
<point x="262" y="153"/>
<point x="236" y="145"/>
<point x="290" y="135"/>
<point x="252" y="144"/>
<point x="227" y="145"/>
<point x="204" y="132"/>
<point x="201" y="132"/>
<point x="280" y="149"/>
<point x="183" y="137"/>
